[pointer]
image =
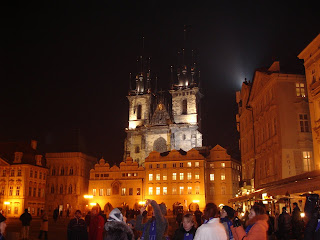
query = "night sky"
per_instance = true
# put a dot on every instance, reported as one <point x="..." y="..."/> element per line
<point x="65" y="65"/>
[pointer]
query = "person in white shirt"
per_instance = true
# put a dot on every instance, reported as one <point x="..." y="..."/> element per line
<point x="211" y="229"/>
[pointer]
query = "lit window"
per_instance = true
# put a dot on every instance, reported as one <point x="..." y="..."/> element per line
<point x="157" y="190"/>
<point x="223" y="176"/>
<point x="239" y="178"/>
<point x="304" y="123"/>
<point x="196" y="164"/>
<point x="138" y="191"/>
<point x="181" y="176"/>
<point x="164" y="177"/>
<point x="189" y="175"/>
<point x="197" y="176"/>
<point x="158" y="176"/>
<point x="174" y="176"/>
<point x="150" y="177"/>
<point x="211" y="176"/>
<point x="101" y="192"/>
<point x="211" y="165"/>
<point x="108" y="191"/>
<point x="189" y="190"/>
<point x="123" y="191"/>
<point x="181" y="164"/>
<point x="18" y="191"/>
<point x="181" y="190"/>
<point x="223" y="164"/>
<point x="174" y="190"/>
<point x="300" y="90"/>
<point x="189" y="164"/>
<point x="197" y="190"/>
<point x="150" y="190"/>
<point x="306" y="161"/>
<point x="164" y="190"/>
<point x="94" y="192"/>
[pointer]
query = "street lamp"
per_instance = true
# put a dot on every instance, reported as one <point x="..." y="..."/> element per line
<point x="88" y="196"/>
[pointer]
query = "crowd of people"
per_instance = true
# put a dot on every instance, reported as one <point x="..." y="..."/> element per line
<point x="213" y="224"/>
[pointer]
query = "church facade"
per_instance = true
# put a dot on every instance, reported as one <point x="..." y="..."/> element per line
<point x="163" y="121"/>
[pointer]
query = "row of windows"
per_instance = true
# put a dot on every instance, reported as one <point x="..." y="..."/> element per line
<point x="35" y="175"/>
<point x="184" y="93"/>
<point x="223" y="177"/>
<point x="61" y="189"/>
<point x="102" y="192"/>
<point x="175" y="165"/>
<point x="174" y="190"/>
<point x="12" y="173"/>
<point x="62" y="172"/>
<point x="10" y="193"/>
<point x="174" y="176"/>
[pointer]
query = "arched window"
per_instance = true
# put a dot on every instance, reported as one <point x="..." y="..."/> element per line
<point x="115" y="188"/>
<point x="62" y="171"/>
<point x="61" y="189"/>
<point x="184" y="106"/>
<point x="52" y="188"/>
<point x="70" y="189"/>
<point x="71" y="171"/>
<point x="137" y="150"/>
<point x="139" y="112"/>
<point x="53" y="173"/>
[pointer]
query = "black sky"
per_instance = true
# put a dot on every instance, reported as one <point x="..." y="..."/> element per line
<point x="65" y="65"/>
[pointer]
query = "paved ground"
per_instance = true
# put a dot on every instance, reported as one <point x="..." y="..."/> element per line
<point x="57" y="230"/>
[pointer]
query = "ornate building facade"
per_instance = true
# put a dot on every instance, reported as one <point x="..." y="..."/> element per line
<point x="274" y="124"/>
<point x="163" y="121"/>
<point x="68" y="180"/>
<point x="177" y="178"/>
<point x="23" y="175"/>
<point x="311" y="57"/>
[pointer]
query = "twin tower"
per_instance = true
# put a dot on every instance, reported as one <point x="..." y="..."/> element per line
<point x="164" y="120"/>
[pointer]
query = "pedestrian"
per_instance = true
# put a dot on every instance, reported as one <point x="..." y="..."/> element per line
<point x="77" y="228"/>
<point x="226" y="217"/>
<point x="44" y="225"/>
<point x="257" y="225"/>
<point x="3" y="226"/>
<point x="156" y="227"/>
<point x="55" y="214"/>
<point x="198" y="215"/>
<point x="116" y="227"/>
<point x="25" y="219"/>
<point x="187" y="230"/>
<point x="211" y="229"/>
<point x="271" y="230"/>
<point x="296" y="221"/>
<point x="68" y="213"/>
<point x="284" y="225"/>
<point x="96" y="225"/>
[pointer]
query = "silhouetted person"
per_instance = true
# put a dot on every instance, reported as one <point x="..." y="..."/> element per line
<point x="55" y="214"/>
<point x="77" y="228"/>
<point x="284" y="224"/>
<point x="297" y="224"/>
<point x="25" y="219"/>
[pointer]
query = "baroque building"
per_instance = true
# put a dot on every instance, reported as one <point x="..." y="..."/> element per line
<point x="177" y="178"/>
<point x="163" y="121"/>
<point x="23" y="175"/>
<point x="274" y="124"/>
<point x="311" y="57"/>
<point x="68" y="180"/>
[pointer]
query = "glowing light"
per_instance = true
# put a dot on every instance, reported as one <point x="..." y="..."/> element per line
<point x="237" y="195"/>
<point x="6" y="203"/>
<point x="242" y="214"/>
<point x="265" y="202"/>
<point x="264" y="195"/>
<point x="302" y="214"/>
<point x="88" y="196"/>
<point x="93" y="204"/>
<point x="195" y="201"/>
<point x="142" y="203"/>
<point x="247" y="193"/>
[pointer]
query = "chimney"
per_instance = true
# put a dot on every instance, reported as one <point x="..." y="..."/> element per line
<point x="34" y="144"/>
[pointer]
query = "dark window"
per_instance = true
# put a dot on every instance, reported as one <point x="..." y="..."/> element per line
<point x="137" y="150"/>
<point x="164" y="165"/>
<point x="181" y="164"/>
<point x="61" y="189"/>
<point x="138" y="191"/>
<point x="130" y="191"/>
<point x="139" y="111"/>
<point x="52" y="189"/>
<point x="184" y="106"/>
<point x="158" y="165"/>
<point x="97" y="175"/>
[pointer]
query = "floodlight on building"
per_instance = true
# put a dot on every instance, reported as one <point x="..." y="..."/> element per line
<point x="195" y="201"/>
<point x="88" y="196"/>
<point x="93" y="204"/>
<point x="142" y="202"/>
<point x="6" y="203"/>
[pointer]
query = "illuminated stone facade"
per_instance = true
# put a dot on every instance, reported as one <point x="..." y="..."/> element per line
<point x="68" y="180"/>
<point x="22" y="179"/>
<point x="274" y="124"/>
<point x="118" y="186"/>
<point x="163" y="121"/>
<point x="187" y="178"/>
<point x="311" y="57"/>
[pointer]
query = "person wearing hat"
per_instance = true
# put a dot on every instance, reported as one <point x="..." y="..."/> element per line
<point x="116" y="227"/>
<point x="156" y="227"/>
<point x="226" y="216"/>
